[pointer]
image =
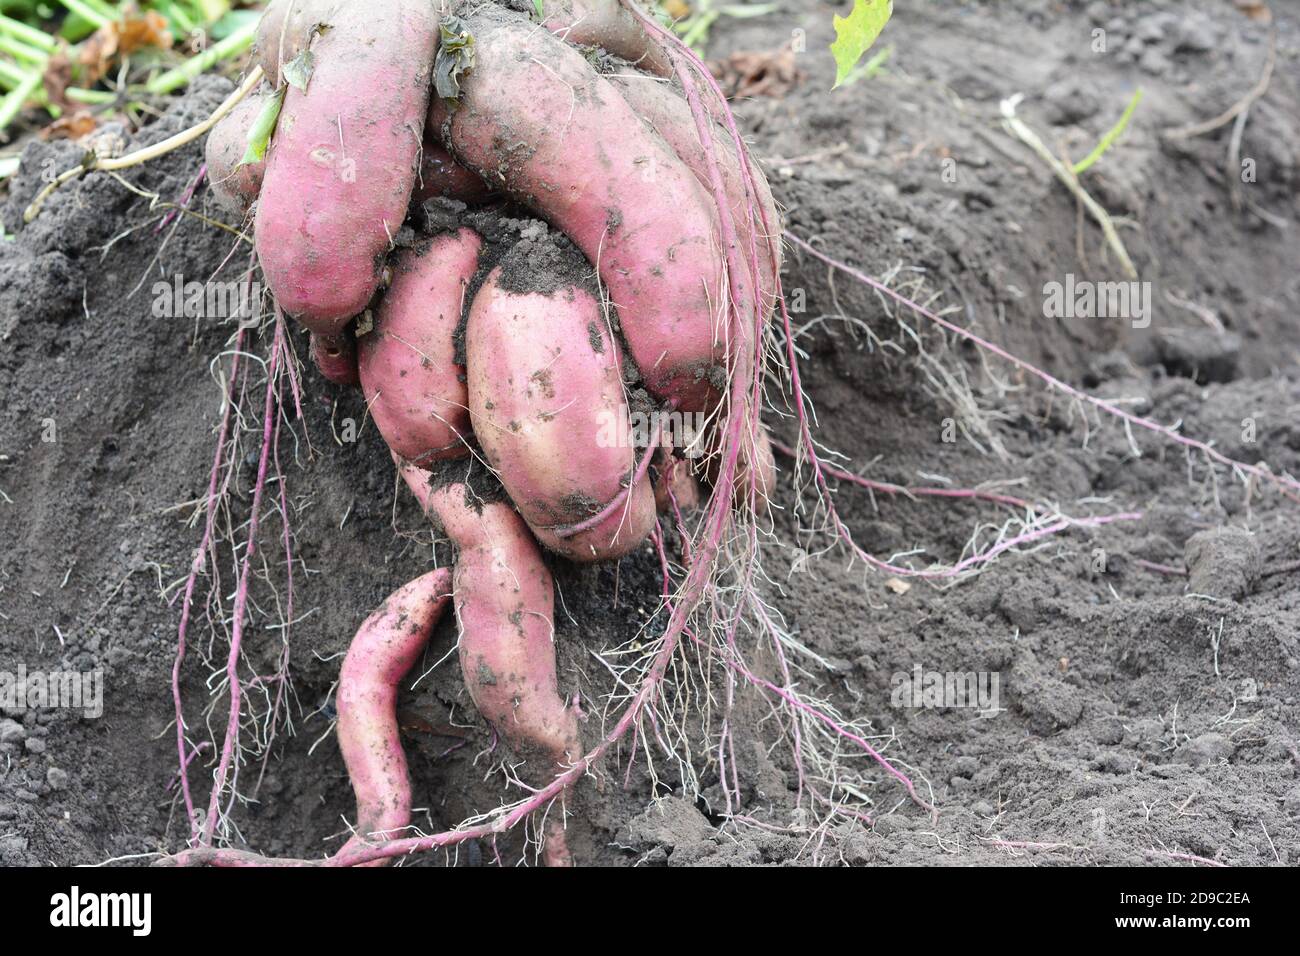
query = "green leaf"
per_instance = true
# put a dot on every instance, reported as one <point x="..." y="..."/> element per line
<point x="537" y="8"/>
<point x="455" y="56"/>
<point x="298" y="70"/>
<point x="259" y="136"/>
<point x="868" y="69"/>
<point x="855" y="33"/>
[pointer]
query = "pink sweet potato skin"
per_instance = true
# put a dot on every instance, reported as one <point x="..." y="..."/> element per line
<point x="607" y="24"/>
<point x="286" y="29"/>
<point x="546" y="403"/>
<point x="505" y="604"/>
<point x="235" y="186"/>
<point x="336" y="357"/>
<point x="407" y="362"/>
<point x="667" y="113"/>
<point x="343" y="161"/>
<point x="441" y="175"/>
<point x="676" y="489"/>
<point x="384" y="650"/>
<point x="535" y="119"/>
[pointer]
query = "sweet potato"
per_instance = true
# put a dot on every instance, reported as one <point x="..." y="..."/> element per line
<point x="674" y="484"/>
<point x="286" y="29"/>
<point x="546" y="400"/>
<point x="234" y="186"/>
<point x="660" y="107"/>
<point x="343" y="161"/>
<point x="505" y="603"/>
<point x="536" y="119"/>
<point x="384" y="650"/>
<point x="607" y="24"/>
<point x="667" y="113"/>
<point x="407" y="363"/>
<point x="441" y="175"/>
<point x="336" y="357"/>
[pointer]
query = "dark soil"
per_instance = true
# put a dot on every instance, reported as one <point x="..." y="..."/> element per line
<point x="1149" y="672"/>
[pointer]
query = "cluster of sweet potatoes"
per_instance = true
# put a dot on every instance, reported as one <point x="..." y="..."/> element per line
<point x="406" y="129"/>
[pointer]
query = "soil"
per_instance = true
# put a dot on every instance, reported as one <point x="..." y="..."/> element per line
<point x="1149" y="671"/>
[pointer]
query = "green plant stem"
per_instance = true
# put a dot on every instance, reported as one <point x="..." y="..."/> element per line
<point x="1109" y="139"/>
<point x="183" y="21"/>
<point x="21" y="51"/>
<point x="28" y="35"/>
<point x="149" y="153"/>
<point x="233" y="45"/>
<point x="698" y="31"/>
<point x="10" y="75"/>
<point x="90" y="97"/>
<point x="89" y="10"/>
<point x="18" y="97"/>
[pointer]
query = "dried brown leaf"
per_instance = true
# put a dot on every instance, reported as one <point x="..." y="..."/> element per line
<point x="71" y="126"/>
<point x="1257" y="10"/>
<point x="758" y="73"/>
<point x="135" y="31"/>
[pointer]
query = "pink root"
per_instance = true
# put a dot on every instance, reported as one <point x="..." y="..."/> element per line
<point x="196" y="568"/>
<point x="1285" y="484"/>
<point x="230" y="744"/>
